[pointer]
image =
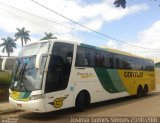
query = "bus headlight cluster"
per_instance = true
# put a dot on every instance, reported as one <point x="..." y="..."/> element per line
<point x="35" y="97"/>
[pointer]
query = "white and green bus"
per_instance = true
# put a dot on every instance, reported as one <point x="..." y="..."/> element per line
<point x="57" y="74"/>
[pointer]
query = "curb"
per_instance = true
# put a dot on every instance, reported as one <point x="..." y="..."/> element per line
<point x="8" y="111"/>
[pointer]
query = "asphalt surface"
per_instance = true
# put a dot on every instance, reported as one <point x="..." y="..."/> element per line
<point x="119" y="109"/>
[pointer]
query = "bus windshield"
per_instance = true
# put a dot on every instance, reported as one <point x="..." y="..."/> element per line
<point x="25" y="76"/>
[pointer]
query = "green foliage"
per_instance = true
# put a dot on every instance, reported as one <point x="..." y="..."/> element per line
<point x="48" y="36"/>
<point x="23" y="35"/>
<point x="121" y="3"/>
<point x="8" y="45"/>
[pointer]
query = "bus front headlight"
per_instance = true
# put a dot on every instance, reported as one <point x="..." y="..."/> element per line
<point x="36" y="97"/>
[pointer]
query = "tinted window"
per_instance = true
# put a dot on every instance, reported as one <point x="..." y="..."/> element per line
<point x="115" y="61"/>
<point x="138" y="64"/>
<point x="119" y="61"/>
<point x="108" y="59"/>
<point x="95" y="58"/>
<point x="59" y="67"/>
<point x="132" y="62"/>
<point x="85" y="57"/>
<point x="150" y="65"/>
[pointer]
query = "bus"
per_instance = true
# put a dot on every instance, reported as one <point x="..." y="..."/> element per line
<point x="6" y="67"/>
<point x="56" y="74"/>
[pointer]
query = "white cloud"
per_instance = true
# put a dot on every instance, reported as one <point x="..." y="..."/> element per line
<point x="111" y="13"/>
<point x="149" y="38"/>
<point x="120" y="46"/>
<point x="94" y="24"/>
<point x="94" y="16"/>
<point x="91" y="15"/>
<point x="70" y="37"/>
<point x="112" y="44"/>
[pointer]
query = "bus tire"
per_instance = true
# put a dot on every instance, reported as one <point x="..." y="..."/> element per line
<point x="145" y="90"/>
<point x="139" y="91"/>
<point x="80" y="102"/>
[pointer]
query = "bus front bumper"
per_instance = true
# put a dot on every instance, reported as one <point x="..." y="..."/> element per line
<point x="31" y="105"/>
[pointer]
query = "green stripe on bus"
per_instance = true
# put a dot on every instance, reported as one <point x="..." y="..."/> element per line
<point x="105" y="80"/>
<point x="115" y="78"/>
<point x="88" y="46"/>
<point x="93" y="47"/>
<point x="24" y="95"/>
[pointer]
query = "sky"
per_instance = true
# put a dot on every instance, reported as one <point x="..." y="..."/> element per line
<point x="138" y="24"/>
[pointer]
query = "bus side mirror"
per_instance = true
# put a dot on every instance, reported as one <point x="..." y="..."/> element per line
<point x="37" y="62"/>
<point x="39" y="59"/>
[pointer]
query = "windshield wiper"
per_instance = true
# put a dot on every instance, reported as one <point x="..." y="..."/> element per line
<point x="14" y="77"/>
<point x="21" y="76"/>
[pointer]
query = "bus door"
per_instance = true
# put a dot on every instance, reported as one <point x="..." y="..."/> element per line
<point x="58" y="94"/>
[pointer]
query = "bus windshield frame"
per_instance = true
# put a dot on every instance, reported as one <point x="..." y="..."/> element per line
<point x="26" y="77"/>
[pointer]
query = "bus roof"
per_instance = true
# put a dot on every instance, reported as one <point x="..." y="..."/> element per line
<point x="58" y="40"/>
<point x="92" y="47"/>
<point x="114" y="51"/>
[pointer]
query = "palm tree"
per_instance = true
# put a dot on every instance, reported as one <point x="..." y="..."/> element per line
<point x="48" y="36"/>
<point x="23" y="35"/>
<point x="8" y="44"/>
<point x="121" y="3"/>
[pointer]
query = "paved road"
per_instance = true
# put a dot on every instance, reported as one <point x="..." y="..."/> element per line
<point x="123" y="107"/>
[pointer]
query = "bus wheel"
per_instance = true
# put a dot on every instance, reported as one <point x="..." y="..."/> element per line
<point x="145" y="90"/>
<point x="139" y="91"/>
<point x="80" y="102"/>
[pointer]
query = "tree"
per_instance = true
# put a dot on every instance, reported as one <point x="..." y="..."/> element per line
<point x="121" y="3"/>
<point x="23" y="35"/>
<point x="8" y="45"/>
<point x="48" y="36"/>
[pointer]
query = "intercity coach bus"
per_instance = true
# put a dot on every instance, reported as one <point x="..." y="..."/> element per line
<point x="56" y="74"/>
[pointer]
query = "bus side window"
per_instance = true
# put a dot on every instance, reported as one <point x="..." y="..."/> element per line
<point x="99" y="59"/>
<point x="150" y="65"/>
<point x="84" y="57"/>
<point x="59" y="67"/>
<point x="108" y="60"/>
<point x="116" y="61"/>
<point x="79" y="57"/>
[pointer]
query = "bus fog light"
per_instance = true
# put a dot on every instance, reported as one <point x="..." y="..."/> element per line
<point x="19" y="105"/>
<point x="35" y="97"/>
